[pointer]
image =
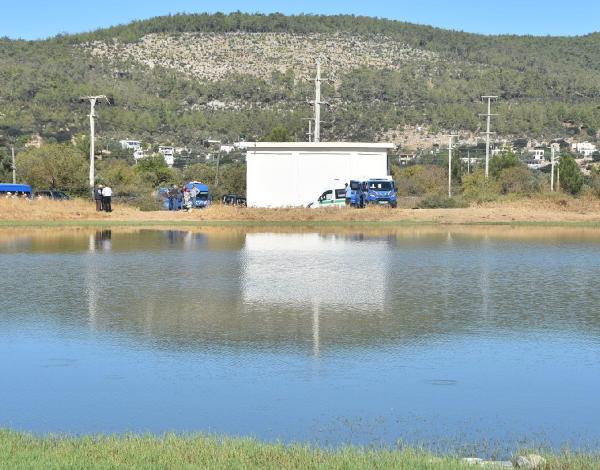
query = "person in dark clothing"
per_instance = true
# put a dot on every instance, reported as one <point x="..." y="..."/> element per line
<point x="98" y="197"/>
<point x="173" y="193"/>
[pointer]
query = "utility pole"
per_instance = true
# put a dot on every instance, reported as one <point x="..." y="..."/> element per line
<point x="468" y="162"/>
<point x="93" y="100"/>
<point x="14" y="167"/>
<point x="451" y="136"/>
<point x="310" y="131"/>
<point x="552" y="148"/>
<point x="216" y="142"/>
<point x="488" y="115"/>
<point x="317" y="103"/>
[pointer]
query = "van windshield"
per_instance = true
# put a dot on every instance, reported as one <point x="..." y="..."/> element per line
<point x="203" y="195"/>
<point x="380" y="185"/>
<point x="354" y="185"/>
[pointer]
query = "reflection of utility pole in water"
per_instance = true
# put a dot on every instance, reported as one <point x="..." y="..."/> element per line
<point x="448" y="273"/>
<point x="315" y="330"/>
<point x="485" y="277"/>
<point x="91" y="281"/>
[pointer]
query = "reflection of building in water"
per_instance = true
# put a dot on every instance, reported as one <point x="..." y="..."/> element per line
<point x="300" y="270"/>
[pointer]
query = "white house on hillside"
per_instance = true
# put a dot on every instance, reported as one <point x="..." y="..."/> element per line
<point x="584" y="148"/>
<point x="130" y="144"/>
<point x="537" y="153"/>
<point x="138" y="154"/>
<point x="168" y="154"/>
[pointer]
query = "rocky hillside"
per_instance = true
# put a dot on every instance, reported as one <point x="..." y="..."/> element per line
<point x="216" y="56"/>
<point x="184" y="78"/>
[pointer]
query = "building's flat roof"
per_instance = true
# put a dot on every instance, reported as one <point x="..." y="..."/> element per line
<point x="316" y="145"/>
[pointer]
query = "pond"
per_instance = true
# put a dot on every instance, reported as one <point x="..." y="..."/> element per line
<point x="446" y="337"/>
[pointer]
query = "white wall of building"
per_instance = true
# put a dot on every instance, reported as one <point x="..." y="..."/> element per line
<point x="130" y="144"/>
<point x="584" y="148"/>
<point x="281" y="174"/>
<point x="168" y="154"/>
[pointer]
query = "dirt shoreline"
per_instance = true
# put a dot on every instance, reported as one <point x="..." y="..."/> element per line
<point x="577" y="212"/>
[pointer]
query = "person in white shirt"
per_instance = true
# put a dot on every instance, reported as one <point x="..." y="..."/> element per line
<point x="106" y="198"/>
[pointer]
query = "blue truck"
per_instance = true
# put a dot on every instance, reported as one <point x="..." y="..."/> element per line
<point x="381" y="191"/>
<point x="203" y="199"/>
<point x="356" y="195"/>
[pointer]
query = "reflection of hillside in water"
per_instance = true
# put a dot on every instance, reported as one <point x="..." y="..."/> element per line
<point x="313" y="292"/>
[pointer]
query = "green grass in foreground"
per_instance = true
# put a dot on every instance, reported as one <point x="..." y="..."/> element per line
<point x="19" y="450"/>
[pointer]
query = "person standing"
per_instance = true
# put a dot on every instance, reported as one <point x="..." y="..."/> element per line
<point x="107" y="198"/>
<point x="348" y="194"/>
<point x="187" y="199"/>
<point x="98" y="197"/>
<point x="194" y="194"/>
<point x="172" y="193"/>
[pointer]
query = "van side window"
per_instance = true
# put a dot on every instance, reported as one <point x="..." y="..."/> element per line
<point x="340" y="193"/>
<point x="327" y="195"/>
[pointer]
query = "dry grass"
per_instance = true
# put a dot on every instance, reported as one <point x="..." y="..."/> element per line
<point x="561" y="209"/>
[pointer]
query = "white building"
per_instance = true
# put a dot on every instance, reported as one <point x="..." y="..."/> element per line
<point x="138" y="154"/>
<point x="537" y="153"/>
<point x="282" y="174"/>
<point x="130" y="144"/>
<point x="226" y="148"/>
<point x="584" y="148"/>
<point x="168" y="154"/>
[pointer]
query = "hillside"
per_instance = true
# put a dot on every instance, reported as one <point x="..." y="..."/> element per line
<point x="185" y="78"/>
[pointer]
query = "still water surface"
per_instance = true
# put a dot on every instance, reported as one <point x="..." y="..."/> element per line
<point x="440" y="337"/>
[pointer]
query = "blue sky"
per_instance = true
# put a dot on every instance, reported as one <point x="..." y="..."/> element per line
<point x="33" y="19"/>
